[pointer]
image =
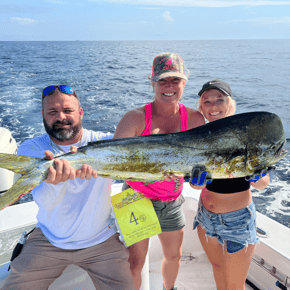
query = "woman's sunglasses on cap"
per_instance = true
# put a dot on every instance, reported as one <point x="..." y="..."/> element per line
<point x="62" y="88"/>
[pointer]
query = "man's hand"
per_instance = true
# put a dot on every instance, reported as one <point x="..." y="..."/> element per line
<point x="62" y="170"/>
<point x="86" y="172"/>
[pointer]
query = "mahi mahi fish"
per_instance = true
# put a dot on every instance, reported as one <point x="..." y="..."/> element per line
<point x="235" y="146"/>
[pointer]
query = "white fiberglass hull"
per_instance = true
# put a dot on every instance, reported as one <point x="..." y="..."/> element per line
<point x="195" y="271"/>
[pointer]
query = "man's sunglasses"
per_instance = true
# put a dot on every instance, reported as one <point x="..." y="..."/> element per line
<point x="62" y="88"/>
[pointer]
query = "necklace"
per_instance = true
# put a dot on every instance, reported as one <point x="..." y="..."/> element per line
<point x="55" y="147"/>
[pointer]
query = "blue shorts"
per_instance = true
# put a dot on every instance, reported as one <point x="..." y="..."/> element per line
<point x="238" y="228"/>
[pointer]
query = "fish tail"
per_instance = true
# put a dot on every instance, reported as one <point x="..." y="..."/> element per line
<point x="30" y="178"/>
<point x="21" y="187"/>
<point x="17" y="163"/>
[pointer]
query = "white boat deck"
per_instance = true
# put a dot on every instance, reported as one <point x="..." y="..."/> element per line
<point x="195" y="271"/>
<point x="195" y="274"/>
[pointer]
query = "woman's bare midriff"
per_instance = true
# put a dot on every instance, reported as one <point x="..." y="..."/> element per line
<point x="223" y="203"/>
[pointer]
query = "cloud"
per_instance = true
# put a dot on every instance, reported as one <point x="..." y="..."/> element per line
<point x="191" y="3"/>
<point x="262" y="21"/>
<point x="166" y="15"/>
<point x="23" y="21"/>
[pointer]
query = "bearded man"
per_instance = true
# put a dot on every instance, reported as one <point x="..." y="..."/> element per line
<point x="74" y="222"/>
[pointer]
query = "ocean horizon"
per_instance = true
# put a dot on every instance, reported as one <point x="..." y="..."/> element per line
<point x="111" y="78"/>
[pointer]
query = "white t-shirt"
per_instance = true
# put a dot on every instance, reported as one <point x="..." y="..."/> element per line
<point x="74" y="214"/>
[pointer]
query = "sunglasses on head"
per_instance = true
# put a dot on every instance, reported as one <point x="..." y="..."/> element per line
<point x="62" y="88"/>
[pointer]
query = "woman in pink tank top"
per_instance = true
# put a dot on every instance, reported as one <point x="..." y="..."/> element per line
<point x="164" y="115"/>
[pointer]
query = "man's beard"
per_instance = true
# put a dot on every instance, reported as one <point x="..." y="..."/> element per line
<point x="62" y="134"/>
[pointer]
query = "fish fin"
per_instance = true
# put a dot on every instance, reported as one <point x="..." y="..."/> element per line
<point x="21" y="187"/>
<point x="239" y="155"/>
<point x="17" y="163"/>
<point x="235" y="155"/>
<point x="234" y="164"/>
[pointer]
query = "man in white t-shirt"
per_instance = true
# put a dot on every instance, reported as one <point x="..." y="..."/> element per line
<point x="74" y="222"/>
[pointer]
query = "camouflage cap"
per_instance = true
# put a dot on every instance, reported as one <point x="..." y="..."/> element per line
<point x="167" y="65"/>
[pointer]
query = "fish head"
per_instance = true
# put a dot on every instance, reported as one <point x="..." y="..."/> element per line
<point x="265" y="148"/>
<point x="275" y="152"/>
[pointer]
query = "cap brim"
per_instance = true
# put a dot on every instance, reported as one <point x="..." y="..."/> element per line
<point x="169" y="74"/>
<point x="213" y="88"/>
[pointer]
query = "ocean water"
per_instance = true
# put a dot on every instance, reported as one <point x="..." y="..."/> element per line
<point x="110" y="78"/>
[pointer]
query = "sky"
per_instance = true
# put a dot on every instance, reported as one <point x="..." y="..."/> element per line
<point x="69" y="20"/>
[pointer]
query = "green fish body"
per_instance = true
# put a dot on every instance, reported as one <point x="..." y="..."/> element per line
<point x="235" y="146"/>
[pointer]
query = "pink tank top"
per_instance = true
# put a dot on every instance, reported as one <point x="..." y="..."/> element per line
<point x="164" y="190"/>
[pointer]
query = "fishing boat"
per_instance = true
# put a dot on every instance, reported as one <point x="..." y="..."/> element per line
<point x="270" y="267"/>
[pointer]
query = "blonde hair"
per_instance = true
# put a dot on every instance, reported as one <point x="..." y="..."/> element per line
<point x="232" y="105"/>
